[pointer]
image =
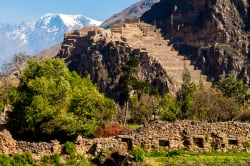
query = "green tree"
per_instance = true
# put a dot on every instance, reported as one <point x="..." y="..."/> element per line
<point x="130" y="85"/>
<point x="210" y="105"/>
<point x="170" y="109"/>
<point x="145" y="108"/>
<point x="52" y="102"/>
<point x="184" y="95"/>
<point x="234" y="88"/>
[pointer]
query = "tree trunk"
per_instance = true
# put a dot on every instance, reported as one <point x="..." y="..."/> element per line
<point x="126" y="113"/>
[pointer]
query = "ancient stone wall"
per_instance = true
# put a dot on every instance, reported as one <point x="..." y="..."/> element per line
<point x="101" y="55"/>
<point x="193" y="135"/>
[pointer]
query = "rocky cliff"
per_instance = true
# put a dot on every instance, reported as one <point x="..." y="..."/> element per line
<point x="101" y="54"/>
<point x="214" y="33"/>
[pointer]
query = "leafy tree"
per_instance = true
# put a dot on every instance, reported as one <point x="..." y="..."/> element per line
<point x="130" y="84"/>
<point x="9" y="77"/>
<point x="15" y="67"/>
<point x="184" y="95"/>
<point x="212" y="106"/>
<point x="170" y="109"/>
<point x="144" y="108"/>
<point x="52" y="102"/>
<point x="234" y="88"/>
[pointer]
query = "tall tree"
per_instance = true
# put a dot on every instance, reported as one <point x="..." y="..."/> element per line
<point x="52" y="102"/>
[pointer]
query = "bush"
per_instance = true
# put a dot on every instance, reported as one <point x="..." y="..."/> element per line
<point x="46" y="159"/>
<point x="69" y="148"/>
<point x="170" y="109"/>
<point x="139" y="154"/>
<point x="212" y="106"/>
<point x="246" y="144"/>
<point x="111" y="129"/>
<point x="5" y="160"/>
<point x="173" y="153"/>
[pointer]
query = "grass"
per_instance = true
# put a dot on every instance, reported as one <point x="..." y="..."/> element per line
<point x="186" y="158"/>
<point x="134" y="126"/>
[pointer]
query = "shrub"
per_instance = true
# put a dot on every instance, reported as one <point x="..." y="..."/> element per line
<point x="111" y="129"/>
<point x="212" y="106"/>
<point x="173" y="153"/>
<point x="23" y="159"/>
<point x="246" y="144"/>
<point x="46" y="159"/>
<point x="69" y="148"/>
<point x="139" y="154"/>
<point x="170" y="109"/>
<point x="56" y="158"/>
<point x="5" y="160"/>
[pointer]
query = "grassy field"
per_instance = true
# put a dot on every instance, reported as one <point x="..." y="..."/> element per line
<point x="184" y="158"/>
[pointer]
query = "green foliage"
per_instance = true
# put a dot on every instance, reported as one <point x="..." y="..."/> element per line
<point x="160" y="152"/>
<point x="170" y="109"/>
<point x="173" y="153"/>
<point x="234" y="88"/>
<point x="184" y="96"/>
<point x="142" y="109"/>
<point x="185" y="158"/>
<point x="212" y="106"/>
<point x="24" y="159"/>
<point x="69" y="148"/>
<point x="139" y="154"/>
<point x="246" y="144"/>
<point x="5" y="160"/>
<point x="129" y="81"/>
<point x="51" y="102"/>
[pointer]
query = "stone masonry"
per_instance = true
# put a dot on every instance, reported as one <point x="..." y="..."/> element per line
<point x="101" y="53"/>
<point x="195" y="136"/>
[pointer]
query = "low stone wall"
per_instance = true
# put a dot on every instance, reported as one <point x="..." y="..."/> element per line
<point x="194" y="135"/>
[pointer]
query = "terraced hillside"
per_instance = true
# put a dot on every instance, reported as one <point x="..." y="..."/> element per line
<point x="147" y="38"/>
<point x="101" y="53"/>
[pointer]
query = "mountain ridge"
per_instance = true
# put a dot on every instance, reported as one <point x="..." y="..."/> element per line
<point x="135" y="10"/>
<point x="34" y="36"/>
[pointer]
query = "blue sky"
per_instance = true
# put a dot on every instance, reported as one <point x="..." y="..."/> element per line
<point x="16" y="11"/>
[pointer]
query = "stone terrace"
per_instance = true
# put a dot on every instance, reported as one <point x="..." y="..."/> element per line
<point x="148" y="39"/>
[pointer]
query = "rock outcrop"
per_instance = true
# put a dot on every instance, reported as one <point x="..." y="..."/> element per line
<point x="214" y="33"/>
<point x="101" y="54"/>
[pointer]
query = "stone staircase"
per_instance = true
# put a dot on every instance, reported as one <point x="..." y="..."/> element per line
<point x="148" y="39"/>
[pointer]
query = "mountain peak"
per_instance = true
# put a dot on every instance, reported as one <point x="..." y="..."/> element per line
<point x="69" y="20"/>
<point x="33" y="37"/>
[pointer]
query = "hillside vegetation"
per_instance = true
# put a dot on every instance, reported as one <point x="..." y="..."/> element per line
<point x="52" y="102"/>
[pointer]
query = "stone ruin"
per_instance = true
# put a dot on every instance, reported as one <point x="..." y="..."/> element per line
<point x="195" y="136"/>
<point x="106" y="50"/>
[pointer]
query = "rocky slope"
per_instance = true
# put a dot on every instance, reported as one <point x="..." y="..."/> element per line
<point x="214" y="33"/>
<point x="101" y="53"/>
<point x="135" y="10"/>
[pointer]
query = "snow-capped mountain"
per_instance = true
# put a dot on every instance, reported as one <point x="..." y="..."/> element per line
<point x="33" y="37"/>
